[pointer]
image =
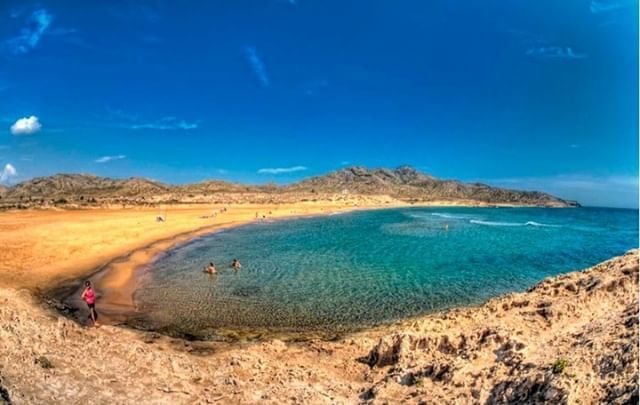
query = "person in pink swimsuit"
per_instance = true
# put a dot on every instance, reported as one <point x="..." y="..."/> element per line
<point x="89" y="296"/>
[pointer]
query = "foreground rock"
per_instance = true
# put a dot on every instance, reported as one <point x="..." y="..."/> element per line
<point x="570" y="339"/>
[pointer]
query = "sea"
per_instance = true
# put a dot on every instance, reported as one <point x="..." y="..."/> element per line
<point x="344" y="272"/>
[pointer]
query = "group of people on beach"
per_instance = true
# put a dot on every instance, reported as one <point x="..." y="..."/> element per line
<point x="211" y="268"/>
<point x="89" y="294"/>
<point x="215" y="213"/>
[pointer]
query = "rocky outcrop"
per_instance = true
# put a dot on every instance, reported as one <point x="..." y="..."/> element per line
<point x="570" y="339"/>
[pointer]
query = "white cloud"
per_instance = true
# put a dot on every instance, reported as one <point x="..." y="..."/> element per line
<point x="281" y="170"/>
<point x="556" y="52"/>
<point x="166" y="123"/>
<point x="37" y="24"/>
<point x="257" y="65"/>
<point x="125" y="120"/>
<point x="177" y="125"/>
<point x="26" y="126"/>
<point x="7" y="173"/>
<point x="106" y="159"/>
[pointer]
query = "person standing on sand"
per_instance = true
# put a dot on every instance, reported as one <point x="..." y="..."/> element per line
<point x="89" y="296"/>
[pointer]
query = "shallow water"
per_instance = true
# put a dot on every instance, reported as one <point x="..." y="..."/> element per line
<point x="336" y="273"/>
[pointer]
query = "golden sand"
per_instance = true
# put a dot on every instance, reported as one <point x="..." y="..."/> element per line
<point x="42" y="249"/>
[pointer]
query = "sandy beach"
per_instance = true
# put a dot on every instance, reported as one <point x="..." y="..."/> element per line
<point x="49" y="248"/>
<point x="44" y="249"/>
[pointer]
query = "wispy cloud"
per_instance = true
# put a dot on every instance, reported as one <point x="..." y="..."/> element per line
<point x="8" y="173"/>
<point x="36" y="25"/>
<point x="575" y="146"/>
<point x="166" y="123"/>
<point x="281" y="170"/>
<point x="555" y="52"/>
<point x="603" y="6"/>
<point x="106" y="159"/>
<point x="128" y="121"/>
<point x="257" y="66"/>
<point x="26" y="126"/>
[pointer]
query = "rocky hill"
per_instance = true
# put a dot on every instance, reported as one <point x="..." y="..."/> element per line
<point x="407" y="183"/>
<point x="404" y="183"/>
<point x="74" y="185"/>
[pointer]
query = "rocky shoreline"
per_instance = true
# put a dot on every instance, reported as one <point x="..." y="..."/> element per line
<point x="569" y="339"/>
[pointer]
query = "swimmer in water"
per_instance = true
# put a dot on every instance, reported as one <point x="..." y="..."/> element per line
<point x="211" y="269"/>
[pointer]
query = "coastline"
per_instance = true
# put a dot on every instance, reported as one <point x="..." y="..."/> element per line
<point x="117" y="280"/>
<point x="569" y="339"/>
<point x="46" y="249"/>
<point x="50" y="252"/>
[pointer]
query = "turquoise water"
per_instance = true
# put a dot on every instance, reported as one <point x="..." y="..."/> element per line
<point x="340" y="272"/>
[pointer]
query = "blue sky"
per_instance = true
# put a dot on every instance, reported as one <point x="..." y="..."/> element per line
<point x="523" y="94"/>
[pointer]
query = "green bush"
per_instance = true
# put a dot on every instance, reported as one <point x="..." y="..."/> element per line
<point x="44" y="362"/>
<point x="559" y="365"/>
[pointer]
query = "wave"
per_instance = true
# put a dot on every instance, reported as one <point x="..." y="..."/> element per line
<point x="437" y="214"/>
<point x="495" y="223"/>
<point x="442" y="215"/>
<point x="533" y="223"/>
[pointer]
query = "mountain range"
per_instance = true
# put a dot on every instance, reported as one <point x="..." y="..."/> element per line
<point x="403" y="183"/>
